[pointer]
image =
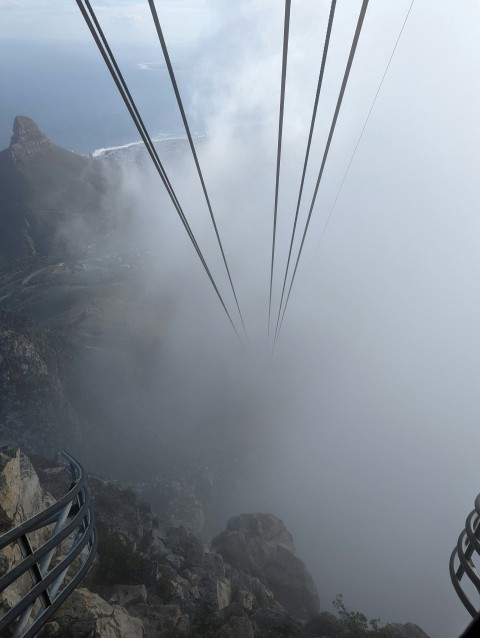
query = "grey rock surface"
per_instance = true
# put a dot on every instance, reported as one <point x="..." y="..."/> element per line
<point x="151" y="580"/>
<point x="86" y="615"/>
<point x="408" y="630"/>
<point x="260" y="545"/>
<point x="27" y="139"/>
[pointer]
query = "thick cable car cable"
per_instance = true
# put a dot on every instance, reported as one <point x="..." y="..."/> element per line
<point x="279" y="145"/>
<point x="104" y="48"/>
<point x="307" y="153"/>
<point x="192" y="146"/>
<point x="348" y="67"/>
<point x="363" y="128"/>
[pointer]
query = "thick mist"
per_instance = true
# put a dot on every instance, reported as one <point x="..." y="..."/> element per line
<point x="361" y="431"/>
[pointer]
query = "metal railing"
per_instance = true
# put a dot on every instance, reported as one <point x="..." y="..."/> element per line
<point x="73" y="535"/>
<point x="462" y="565"/>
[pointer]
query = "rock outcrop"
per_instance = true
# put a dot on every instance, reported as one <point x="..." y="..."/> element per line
<point x="408" y="630"/>
<point x="20" y="498"/>
<point x="27" y="140"/>
<point x="86" y="615"/>
<point x="34" y="408"/>
<point x="147" y="579"/>
<point x="259" y="544"/>
<point x="154" y="581"/>
<point x="52" y="201"/>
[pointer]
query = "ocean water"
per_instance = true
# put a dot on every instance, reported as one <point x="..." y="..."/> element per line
<point x="67" y="89"/>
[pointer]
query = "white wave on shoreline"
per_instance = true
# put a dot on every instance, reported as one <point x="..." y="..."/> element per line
<point x="163" y="137"/>
<point x="157" y="66"/>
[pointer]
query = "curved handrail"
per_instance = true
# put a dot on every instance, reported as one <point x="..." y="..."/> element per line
<point x="28" y="562"/>
<point x="33" y="523"/>
<point x="72" y="515"/>
<point x="461" y="564"/>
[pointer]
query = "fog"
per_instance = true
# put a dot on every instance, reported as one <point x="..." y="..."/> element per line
<point x="360" y="432"/>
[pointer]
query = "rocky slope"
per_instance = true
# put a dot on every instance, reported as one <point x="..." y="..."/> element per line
<point x="82" y="328"/>
<point x="81" y="339"/>
<point x="154" y="580"/>
<point x="46" y="190"/>
<point x="78" y="323"/>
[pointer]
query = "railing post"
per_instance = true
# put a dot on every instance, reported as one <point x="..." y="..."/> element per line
<point x="72" y="516"/>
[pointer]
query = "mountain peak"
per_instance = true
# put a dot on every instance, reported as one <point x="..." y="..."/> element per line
<point x="27" y="139"/>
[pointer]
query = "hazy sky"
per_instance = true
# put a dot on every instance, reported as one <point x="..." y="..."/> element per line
<point x="373" y="421"/>
<point x="186" y="20"/>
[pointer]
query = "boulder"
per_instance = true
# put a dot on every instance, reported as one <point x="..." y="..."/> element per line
<point x="27" y="139"/>
<point x="20" y="494"/>
<point x="260" y="545"/>
<point x="130" y="595"/>
<point x="245" y="599"/>
<point x="21" y="497"/>
<point x="224" y="593"/>
<point x="160" y="617"/>
<point x="85" y="614"/>
<point x="237" y="627"/>
<point x="409" y="630"/>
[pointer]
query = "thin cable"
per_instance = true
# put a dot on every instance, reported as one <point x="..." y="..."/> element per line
<point x="279" y="144"/>
<point x="102" y="44"/>
<point x="192" y="146"/>
<point x="307" y="153"/>
<point x="363" y="129"/>
<point x="353" y="48"/>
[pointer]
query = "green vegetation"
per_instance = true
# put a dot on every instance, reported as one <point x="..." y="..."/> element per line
<point x="164" y="588"/>
<point x="119" y="564"/>
<point x="349" y="624"/>
<point x="206" y="623"/>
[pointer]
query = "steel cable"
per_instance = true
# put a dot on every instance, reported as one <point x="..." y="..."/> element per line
<point x="192" y="145"/>
<point x="104" y="48"/>
<point x="279" y="144"/>
<point x="348" y="67"/>
<point x="364" y="126"/>
<point x="307" y="153"/>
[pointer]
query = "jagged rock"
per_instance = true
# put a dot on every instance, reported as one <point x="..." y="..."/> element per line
<point x="161" y="617"/>
<point x="237" y="627"/>
<point x="183" y="624"/>
<point x="262" y="595"/>
<point x="409" y="630"/>
<point x="21" y="497"/>
<point x="224" y="593"/>
<point x="34" y="411"/>
<point x="129" y="595"/>
<point x="177" y="502"/>
<point x="27" y="139"/>
<point x="51" y="198"/>
<point x="260" y="544"/>
<point x="245" y="599"/>
<point x="184" y="590"/>
<point x="86" y="615"/>
<point x="50" y="630"/>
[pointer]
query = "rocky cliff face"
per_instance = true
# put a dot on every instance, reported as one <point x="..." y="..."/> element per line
<point x="80" y="339"/>
<point x="52" y="201"/>
<point x="148" y="579"/>
<point x="27" y="140"/>
<point x="21" y="497"/>
<point x="67" y="309"/>
<point x="82" y="329"/>
<point x="34" y="407"/>
<point x="153" y="580"/>
<point x="260" y="544"/>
